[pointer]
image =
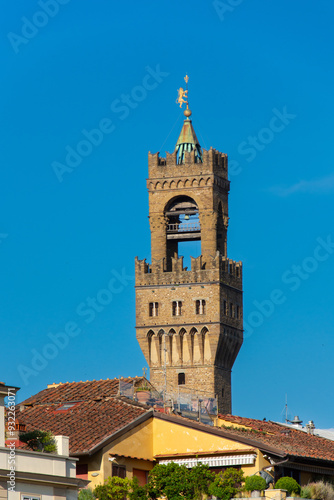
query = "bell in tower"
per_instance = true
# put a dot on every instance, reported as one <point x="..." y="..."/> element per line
<point x="189" y="321"/>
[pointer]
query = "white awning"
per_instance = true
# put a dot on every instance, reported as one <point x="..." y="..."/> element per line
<point x="214" y="461"/>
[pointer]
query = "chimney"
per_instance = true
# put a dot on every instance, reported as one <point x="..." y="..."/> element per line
<point x="296" y="422"/>
<point x="310" y="427"/>
<point x="63" y="445"/>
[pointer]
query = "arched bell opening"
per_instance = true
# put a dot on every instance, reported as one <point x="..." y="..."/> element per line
<point x="183" y="230"/>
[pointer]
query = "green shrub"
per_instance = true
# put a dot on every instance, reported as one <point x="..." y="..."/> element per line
<point x="255" y="483"/>
<point x="227" y="484"/>
<point x="86" y="494"/>
<point x="114" y="488"/>
<point x="289" y="484"/>
<point x="137" y="492"/>
<point x="305" y="492"/>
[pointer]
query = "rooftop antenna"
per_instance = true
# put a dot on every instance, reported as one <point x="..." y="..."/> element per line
<point x="286" y="409"/>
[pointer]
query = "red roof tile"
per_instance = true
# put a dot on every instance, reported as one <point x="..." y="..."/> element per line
<point x="97" y="414"/>
<point x="290" y="441"/>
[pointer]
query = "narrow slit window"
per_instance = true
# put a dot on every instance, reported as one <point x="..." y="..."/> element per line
<point x="231" y="310"/>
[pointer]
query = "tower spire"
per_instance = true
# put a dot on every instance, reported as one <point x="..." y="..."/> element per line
<point x="187" y="140"/>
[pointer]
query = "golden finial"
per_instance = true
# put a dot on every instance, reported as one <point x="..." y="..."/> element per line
<point x="183" y="98"/>
<point x="181" y="94"/>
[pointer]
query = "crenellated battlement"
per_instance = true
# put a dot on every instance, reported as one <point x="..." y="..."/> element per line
<point x="221" y="269"/>
<point x="214" y="162"/>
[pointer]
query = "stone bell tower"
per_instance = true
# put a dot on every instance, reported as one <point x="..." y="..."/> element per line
<point x="189" y="321"/>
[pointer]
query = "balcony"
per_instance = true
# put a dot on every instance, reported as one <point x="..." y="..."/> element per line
<point x="184" y="231"/>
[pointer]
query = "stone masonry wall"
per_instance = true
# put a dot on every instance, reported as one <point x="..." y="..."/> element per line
<point x="201" y="344"/>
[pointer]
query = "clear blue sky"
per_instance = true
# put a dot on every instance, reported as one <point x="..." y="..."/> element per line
<point x="261" y="90"/>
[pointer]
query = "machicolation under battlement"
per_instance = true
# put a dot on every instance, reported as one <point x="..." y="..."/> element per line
<point x="221" y="269"/>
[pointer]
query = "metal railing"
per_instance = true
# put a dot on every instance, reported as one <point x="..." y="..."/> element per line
<point x="194" y="406"/>
<point x="183" y="227"/>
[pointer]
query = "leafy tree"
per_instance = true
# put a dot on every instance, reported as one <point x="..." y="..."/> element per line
<point x="200" y="477"/>
<point x="227" y="484"/>
<point x="114" y="488"/>
<point x="138" y="492"/>
<point x="169" y="480"/>
<point x="289" y="484"/>
<point x="39" y="441"/>
<point x="176" y="482"/>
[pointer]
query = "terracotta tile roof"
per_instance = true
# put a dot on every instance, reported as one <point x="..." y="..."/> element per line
<point x="80" y="391"/>
<point x="290" y="441"/>
<point x="96" y="414"/>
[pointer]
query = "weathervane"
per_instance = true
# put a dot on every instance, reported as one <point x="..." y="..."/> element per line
<point x="183" y="97"/>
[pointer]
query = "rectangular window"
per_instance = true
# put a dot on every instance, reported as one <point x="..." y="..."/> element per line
<point x="119" y="471"/>
<point x="181" y="378"/>
<point x="200" y="306"/>
<point x="153" y="309"/>
<point x="177" y="308"/>
<point x="231" y="310"/>
<point x="30" y="497"/>
<point x="82" y="471"/>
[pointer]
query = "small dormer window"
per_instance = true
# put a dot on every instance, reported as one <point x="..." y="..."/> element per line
<point x="67" y="406"/>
